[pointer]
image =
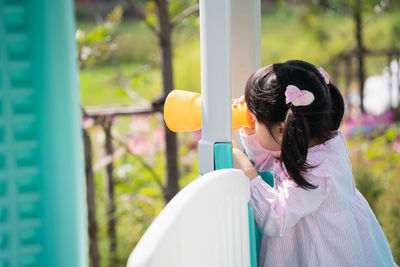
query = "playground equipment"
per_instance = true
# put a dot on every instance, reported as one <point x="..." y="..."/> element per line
<point x="209" y="222"/>
<point x="182" y="112"/>
<point x="201" y="226"/>
<point x="42" y="214"/>
<point x="42" y="205"/>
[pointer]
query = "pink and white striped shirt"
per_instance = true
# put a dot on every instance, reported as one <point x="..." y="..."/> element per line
<point x="332" y="225"/>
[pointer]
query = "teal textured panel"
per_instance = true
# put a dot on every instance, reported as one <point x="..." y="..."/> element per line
<point x="1" y="128"/>
<point x="42" y="214"/>
<point x="30" y="260"/>
<point x="27" y="183"/>
<point x="3" y="215"/>
<point x="15" y="16"/>
<point x="28" y="210"/>
<point x="59" y="124"/>
<point x="18" y="233"/>
<point x="24" y="131"/>
<point x="268" y="177"/>
<point x="223" y="156"/>
<point x="3" y="188"/>
<point x="2" y="162"/>
<point x="4" y="241"/>
<point x="254" y="250"/>
<point x="17" y="47"/>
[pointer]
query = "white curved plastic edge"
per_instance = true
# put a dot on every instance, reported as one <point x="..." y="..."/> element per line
<point x="205" y="224"/>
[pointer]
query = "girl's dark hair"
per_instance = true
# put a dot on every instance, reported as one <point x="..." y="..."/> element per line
<point x="265" y="98"/>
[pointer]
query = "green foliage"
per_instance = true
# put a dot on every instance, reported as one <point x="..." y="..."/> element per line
<point x="376" y="168"/>
<point x="99" y="85"/>
<point x="138" y="196"/>
<point x="389" y="214"/>
<point x="175" y="7"/>
<point x="97" y="44"/>
<point x="378" y="149"/>
<point x="344" y="6"/>
<point x="369" y="186"/>
<point x="151" y="17"/>
<point x="284" y="37"/>
<point x="187" y="66"/>
<point x="317" y="40"/>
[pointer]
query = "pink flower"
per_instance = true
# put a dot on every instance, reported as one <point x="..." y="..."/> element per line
<point x="388" y="115"/>
<point x="159" y="136"/>
<point x="197" y="135"/>
<point x="396" y="145"/>
<point x="140" y="124"/>
<point x="114" y="119"/>
<point x="87" y="122"/>
<point x="139" y="146"/>
<point x="189" y="157"/>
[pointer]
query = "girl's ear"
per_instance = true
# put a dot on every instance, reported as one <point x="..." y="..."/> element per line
<point x="281" y="127"/>
<point x="253" y="116"/>
<point x="278" y="131"/>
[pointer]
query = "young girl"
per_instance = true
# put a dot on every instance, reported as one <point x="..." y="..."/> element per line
<point x="314" y="215"/>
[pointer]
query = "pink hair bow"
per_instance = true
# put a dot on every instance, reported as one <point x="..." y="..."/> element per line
<point x="298" y="97"/>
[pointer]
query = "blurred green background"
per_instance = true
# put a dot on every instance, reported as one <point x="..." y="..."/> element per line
<point x="115" y="43"/>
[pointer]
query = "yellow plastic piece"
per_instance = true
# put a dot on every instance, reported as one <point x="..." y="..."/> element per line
<point x="182" y="112"/>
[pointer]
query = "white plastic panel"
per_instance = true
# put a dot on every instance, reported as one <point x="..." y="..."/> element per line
<point x="215" y="39"/>
<point x="205" y="224"/>
<point x="245" y="46"/>
<point x="245" y="42"/>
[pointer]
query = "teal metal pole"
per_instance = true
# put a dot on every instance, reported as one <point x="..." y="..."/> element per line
<point x="42" y="207"/>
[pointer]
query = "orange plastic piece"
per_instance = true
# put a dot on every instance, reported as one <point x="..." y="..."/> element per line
<point x="182" y="112"/>
<point x="234" y="143"/>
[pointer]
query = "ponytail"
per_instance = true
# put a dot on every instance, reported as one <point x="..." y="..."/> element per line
<point x="296" y="136"/>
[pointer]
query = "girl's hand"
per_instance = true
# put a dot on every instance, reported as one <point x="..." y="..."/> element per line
<point x="248" y="131"/>
<point x="240" y="161"/>
<point x="241" y="101"/>
<point x="238" y="101"/>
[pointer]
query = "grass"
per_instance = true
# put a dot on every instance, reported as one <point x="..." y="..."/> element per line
<point x="99" y="85"/>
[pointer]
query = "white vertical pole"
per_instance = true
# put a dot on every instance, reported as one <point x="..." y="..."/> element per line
<point x="215" y="40"/>
<point x="245" y="42"/>
<point x="245" y="45"/>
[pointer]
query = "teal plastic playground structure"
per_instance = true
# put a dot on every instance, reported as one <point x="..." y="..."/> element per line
<point x="42" y="212"/>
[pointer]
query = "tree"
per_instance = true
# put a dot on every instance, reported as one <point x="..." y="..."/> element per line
<point x="357" y="9"/>
<point x="99" y="45"/>
<point x="156" y="14"/>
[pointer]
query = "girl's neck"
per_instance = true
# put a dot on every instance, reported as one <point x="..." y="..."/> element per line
<point x="314" y="142"/>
